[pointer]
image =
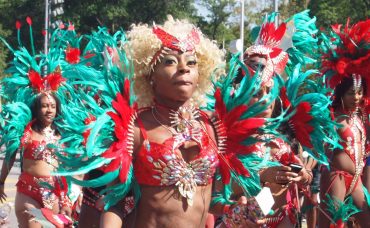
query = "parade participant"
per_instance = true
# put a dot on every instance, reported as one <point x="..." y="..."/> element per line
<point x="346" y="66"/>
<point x="268" y="59"/>
<point x="38" y="162"/>
<point x="167" y="151"/>
<point x="33" y="94"/>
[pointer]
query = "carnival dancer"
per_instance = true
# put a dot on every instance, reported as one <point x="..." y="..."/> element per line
<point x="345" y="63"/>
<point x="167" y="151"/>
<point x="308" y="121"/>
<point x="32" y="96"/>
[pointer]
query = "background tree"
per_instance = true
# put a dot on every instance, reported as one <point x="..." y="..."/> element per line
<point x="3" y="51"/>
<point x="337" y="11"/>
<point x="219" y="19"/>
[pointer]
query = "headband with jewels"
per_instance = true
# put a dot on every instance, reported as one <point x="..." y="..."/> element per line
<point x="169" y="41"/>
<point x="346" y="53"/>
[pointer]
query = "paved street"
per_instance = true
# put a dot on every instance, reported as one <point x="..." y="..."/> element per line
<point x="10" y="190"/>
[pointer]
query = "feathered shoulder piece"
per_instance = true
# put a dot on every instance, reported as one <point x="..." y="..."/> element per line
<point x="346" y="52"/>
<point x="236" y="121"/>
<point x="98" y="126"/>
<point x="13" y="121"/>
<point x="305" y="102"/>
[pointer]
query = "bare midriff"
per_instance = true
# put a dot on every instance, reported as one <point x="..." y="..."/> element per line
<point x="38" y="168"/>
<point x="165" y="207"/>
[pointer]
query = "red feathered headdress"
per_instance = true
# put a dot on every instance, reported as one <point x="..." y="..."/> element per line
<point x="45" y="84"/>
<point x="351" y="53"/>
<point x="267" y="45"/>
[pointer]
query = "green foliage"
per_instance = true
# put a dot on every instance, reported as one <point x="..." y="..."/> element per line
<point x="293" y="7"/>
<point x="115" y="14"/>
<point x="3" y="51"/>
<point x="13" y="10"/>
<point x="219" y="19"/>
<point x="330" y="12"/>
<point x="86" y="15"/>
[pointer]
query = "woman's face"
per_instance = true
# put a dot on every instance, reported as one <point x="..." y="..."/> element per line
<point x="267" y="113"/>
<point x="255" y="63"/>
<point x="175" y="77"/>
<point x="48" y="110"/>
<point x="351" y="99"/>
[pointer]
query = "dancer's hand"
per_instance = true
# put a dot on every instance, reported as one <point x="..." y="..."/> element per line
<point x="2" y="193"/>
<point x="303" y="177"/>
<point x="66" y="211"/>
<point x="278" y="174"/>
<point x="100" y="203"/>
<point x="237" y="215"/>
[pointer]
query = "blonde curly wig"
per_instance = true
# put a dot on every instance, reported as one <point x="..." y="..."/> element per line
<point x="145" y="45"/>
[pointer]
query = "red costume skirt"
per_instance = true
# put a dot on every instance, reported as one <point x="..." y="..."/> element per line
<point x="36" y="188"/>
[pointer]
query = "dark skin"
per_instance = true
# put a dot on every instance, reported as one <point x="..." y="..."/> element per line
<point x="341" y="161"/>
<point x="36" y="168"/>
<point x="174" y="82"/>
<point x="277" y="178"/>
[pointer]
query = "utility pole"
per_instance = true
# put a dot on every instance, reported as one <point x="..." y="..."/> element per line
<point x="242" y="30"/>
<point x="276" y="10"/>
<point x="46" y="26"/>
<point x="48" y="13"/>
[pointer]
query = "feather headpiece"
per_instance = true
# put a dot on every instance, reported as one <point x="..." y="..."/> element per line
<point x="347" y="52"/>
<point x="267" y="45"/>
<point x="293" y="42"/>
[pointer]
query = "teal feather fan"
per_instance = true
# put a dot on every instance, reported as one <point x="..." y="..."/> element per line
<point x="340" y="211"/>
<point x="13" y="120"/>
<point x="90" y="121"/>
<point x="308" y="113"/>
<point x="236" y="122"/>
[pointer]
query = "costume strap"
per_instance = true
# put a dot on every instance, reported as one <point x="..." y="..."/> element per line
<point x="142" y="128"/>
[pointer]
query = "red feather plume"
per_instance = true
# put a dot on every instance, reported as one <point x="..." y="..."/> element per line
<point x="51" y="82"/>
<point x="118" y="151"/>
<point x="54" y="80"/>
<point x="29" y="21"/>
<point x="300" y="122"/>
<point x="73" y="55"/>
<point x="236" y="130"/>
<point x="36" y="81"/>
<point x="18" y="25"/>
<point x="353" y="52"/>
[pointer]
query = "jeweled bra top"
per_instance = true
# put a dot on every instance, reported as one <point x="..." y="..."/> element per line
<point x="36" y="150"/>
<point x="162" y="164"/>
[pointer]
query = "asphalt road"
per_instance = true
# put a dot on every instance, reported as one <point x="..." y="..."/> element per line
<point x="10" y="190"/>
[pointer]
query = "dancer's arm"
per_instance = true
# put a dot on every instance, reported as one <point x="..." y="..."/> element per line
<point x="5" y="170"/>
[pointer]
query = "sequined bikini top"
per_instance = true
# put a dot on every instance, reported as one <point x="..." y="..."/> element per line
<point x="162" y="164"/>
<point x="36" y="150"/>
